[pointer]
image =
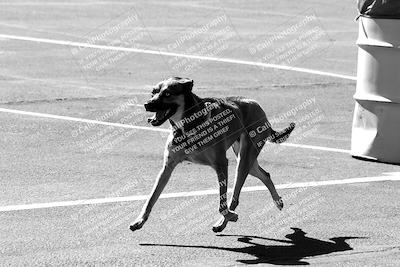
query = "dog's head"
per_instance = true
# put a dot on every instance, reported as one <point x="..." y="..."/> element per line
<point x="168" y="98"/>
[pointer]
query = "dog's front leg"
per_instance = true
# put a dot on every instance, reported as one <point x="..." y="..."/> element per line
<point x="161" y="182"/>
<point x="227" y="215"/>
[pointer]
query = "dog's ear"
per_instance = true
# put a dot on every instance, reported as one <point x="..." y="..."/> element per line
<point x="187" y="84"/>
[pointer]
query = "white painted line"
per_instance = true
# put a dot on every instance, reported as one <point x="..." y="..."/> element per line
<point x="171" y="54"/>
<point x="135" y="105"/>
<point x="57" y="117"/>
<point x="62" y="3"/>
<point x="317" y="148"/>
<point x="394" y="177"/>
<point x="50" y="116"/>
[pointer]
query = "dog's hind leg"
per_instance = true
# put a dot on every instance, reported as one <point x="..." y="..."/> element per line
<point x="233" y="203"/>
<point x="246" y="155"/>
<point x="265" y="177"/>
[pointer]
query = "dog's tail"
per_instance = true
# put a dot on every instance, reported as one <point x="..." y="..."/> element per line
<point x="281" y="136"/>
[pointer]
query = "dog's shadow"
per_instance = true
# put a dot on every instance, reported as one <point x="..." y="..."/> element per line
<point x="297" y="247"/>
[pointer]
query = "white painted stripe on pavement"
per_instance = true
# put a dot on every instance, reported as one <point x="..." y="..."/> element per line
<point x="89" y="3"/>
<point x="393" y="177"/>
<point x="317" y="148"/>
<point x="66" y="118"/>
<point x="172" y="54"/>
<point x="50" y="116"/>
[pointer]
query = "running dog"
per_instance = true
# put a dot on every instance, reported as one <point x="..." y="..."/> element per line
<point x="202" y="131"/>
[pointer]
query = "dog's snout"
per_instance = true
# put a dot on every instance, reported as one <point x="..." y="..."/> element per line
<point x="152" y="105"/>
<point x="148" y="106"/>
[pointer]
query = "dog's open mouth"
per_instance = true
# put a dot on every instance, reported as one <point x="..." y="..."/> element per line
<point x="161" y="116"/>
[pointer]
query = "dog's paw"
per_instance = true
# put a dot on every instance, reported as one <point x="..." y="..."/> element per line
<point x="137" y="224"/>
<point x="279" y="203"/>
<point x="220" y="225"/>
<point x="232" y="216"/>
